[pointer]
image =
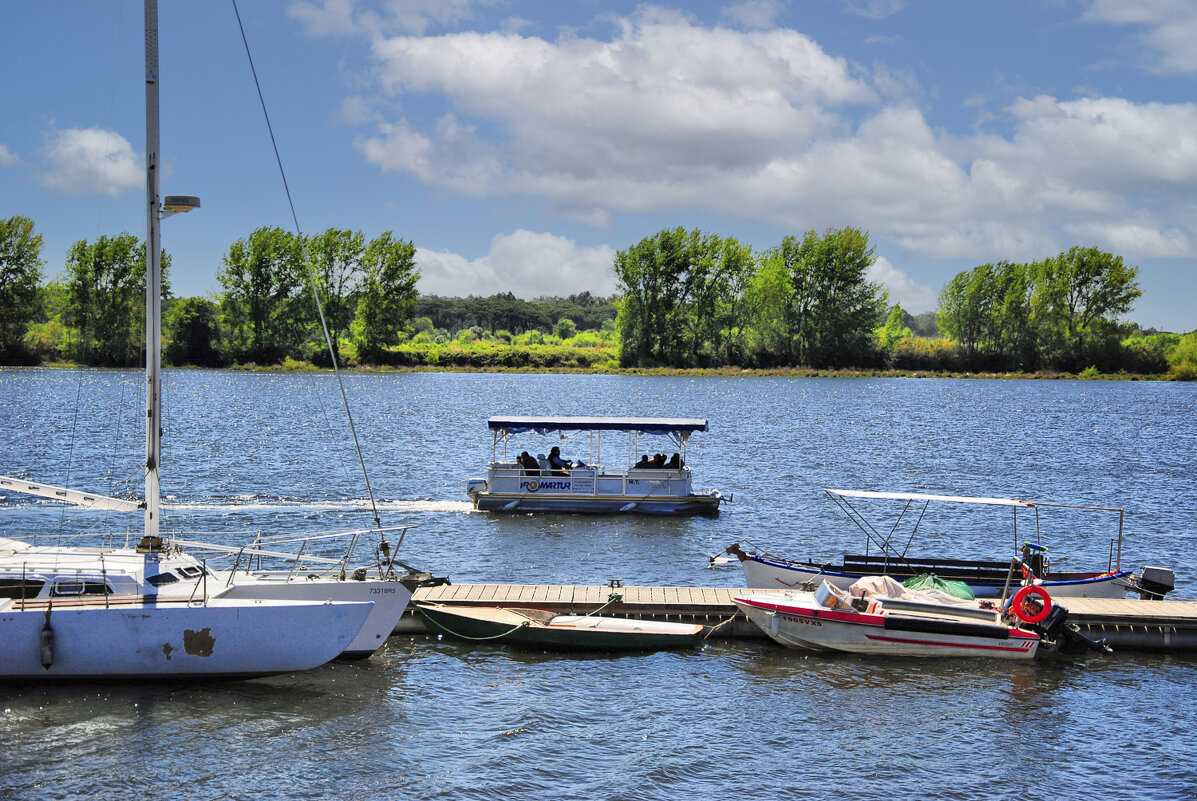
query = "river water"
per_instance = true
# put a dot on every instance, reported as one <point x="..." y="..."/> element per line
<point x="430" y="718"/>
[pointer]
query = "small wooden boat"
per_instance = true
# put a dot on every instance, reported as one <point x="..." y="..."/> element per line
<point x="538" y="628"/>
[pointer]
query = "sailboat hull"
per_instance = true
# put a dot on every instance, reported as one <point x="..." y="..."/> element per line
<point x="223" y="638"/>
<point x="390" y="599"/>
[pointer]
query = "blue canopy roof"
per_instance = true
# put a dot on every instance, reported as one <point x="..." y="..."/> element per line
<point x="645" y="425"/>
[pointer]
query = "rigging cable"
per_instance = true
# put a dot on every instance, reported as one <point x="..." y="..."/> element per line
<point x="332" y="351"/>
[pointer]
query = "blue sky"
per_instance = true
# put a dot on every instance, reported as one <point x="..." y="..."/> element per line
<point x="519" y="145"/>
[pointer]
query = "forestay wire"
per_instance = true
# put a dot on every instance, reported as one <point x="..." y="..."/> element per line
<point x="332" y="351"/>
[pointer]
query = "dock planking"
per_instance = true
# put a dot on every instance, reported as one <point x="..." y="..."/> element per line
<point x="1127" y="624"/>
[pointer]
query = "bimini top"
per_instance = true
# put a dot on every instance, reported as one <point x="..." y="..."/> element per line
<point x="915" y="496"/>
<point x="645" y="425"/>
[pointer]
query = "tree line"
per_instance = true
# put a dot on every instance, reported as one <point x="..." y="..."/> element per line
<point x="697" y="299"/>
<point x="264" y="312"/>
<point x="686" y="299"/>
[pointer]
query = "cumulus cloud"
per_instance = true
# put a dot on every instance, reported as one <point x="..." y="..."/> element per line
<point x="345" y="18"/>
<point x="915" y="298"/>
<point x="531" y="264"/>
<point x="7" y="157"/>
<point x="95" y="161"/>
<point x="667" y="116"/>
<point x="1169" y="29"/>
<point x="753" y="13"/>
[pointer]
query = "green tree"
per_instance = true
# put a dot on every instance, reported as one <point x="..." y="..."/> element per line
<point x="337" y="261"/>
<point x="834" y="308"/>
<point x="893" y="333"/>
<point x="565" y="328"/>
<point x="680" y="293"/>
<point x="387" y="295"/>
<point x="20" y="272"/>
<point x="767" y="298"/>
<point x="262" y="312"/>
<point x="106" y="288"/>
<point x="1078" y="297"/>
<point x="986" y="311"/>
<point x="191" y="327"/>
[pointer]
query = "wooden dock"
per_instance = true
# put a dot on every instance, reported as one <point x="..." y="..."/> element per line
<point x="1126" y="624"/>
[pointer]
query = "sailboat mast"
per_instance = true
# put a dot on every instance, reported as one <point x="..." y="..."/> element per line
<point x="153" y="278"/>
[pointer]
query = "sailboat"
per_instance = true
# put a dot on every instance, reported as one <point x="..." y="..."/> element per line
<point x="152" y="635"/>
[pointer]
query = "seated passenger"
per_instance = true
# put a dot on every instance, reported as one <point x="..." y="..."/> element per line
<point x="560" y="467"/>
<point x="644" y="462"/>
<point x="529" y="463"/>
<point x="675" y="462"/>
<point x="659" y="460"/>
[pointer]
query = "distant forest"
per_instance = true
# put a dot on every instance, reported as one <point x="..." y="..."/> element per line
<point x="686" y="299"/>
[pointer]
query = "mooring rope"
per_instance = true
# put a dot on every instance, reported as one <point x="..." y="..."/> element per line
<point x="428" y="619"/>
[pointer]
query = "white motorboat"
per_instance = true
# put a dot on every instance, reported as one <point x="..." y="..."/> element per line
<point x="102" y="635"/>
<point x="877" y="615"/>
<point x="986" y="578"/>
<point x="540" y="483"/>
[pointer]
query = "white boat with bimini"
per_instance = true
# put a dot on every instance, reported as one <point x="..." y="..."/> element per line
<point x="887" y="553"/>
<point x="661" y="485"/>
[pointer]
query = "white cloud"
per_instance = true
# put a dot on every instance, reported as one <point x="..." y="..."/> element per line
<point x="530" y="264"/>
<point x="82" y="161"/>
<point x="7" y="157"/>
<point x="1170" y="30"/>
<point x="915" y="298"/>
<point x="668" y="117"/>
<point x="874" y="9"/>
<point x="342" y="17"/>
<point x="753" y="13"/>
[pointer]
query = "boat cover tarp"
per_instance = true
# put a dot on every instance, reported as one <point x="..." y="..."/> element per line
<point x="930" y="581"/>
<point x="882" y="587"/>
<point x="645" y="425"/>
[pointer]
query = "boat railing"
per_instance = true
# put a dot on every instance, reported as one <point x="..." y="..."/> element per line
<point x="301" y="559"/>
<point x="589" y="479"/>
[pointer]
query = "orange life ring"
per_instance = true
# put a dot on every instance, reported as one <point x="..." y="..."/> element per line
<point x="1018" y="604"/>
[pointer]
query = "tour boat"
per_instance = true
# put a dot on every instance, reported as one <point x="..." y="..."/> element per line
<point x="639" y="485"/>
<point x="879" y="616"/>
<point x="543" y="629"/>
<point x="986" y="578"/>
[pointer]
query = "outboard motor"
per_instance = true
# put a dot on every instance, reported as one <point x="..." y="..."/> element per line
<point x="1056" y="628"/>
<point x="1155" y="583"/>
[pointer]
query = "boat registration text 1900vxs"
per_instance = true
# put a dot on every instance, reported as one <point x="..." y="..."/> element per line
<point x="660" y="485"/>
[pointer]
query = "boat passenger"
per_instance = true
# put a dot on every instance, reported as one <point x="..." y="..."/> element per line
<point x="529" y="463"/>
<point x="644" y="462"/>
<point x="675" y="462"/>
<point x="659" y="460"/>
<point x="559" y="466"/>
